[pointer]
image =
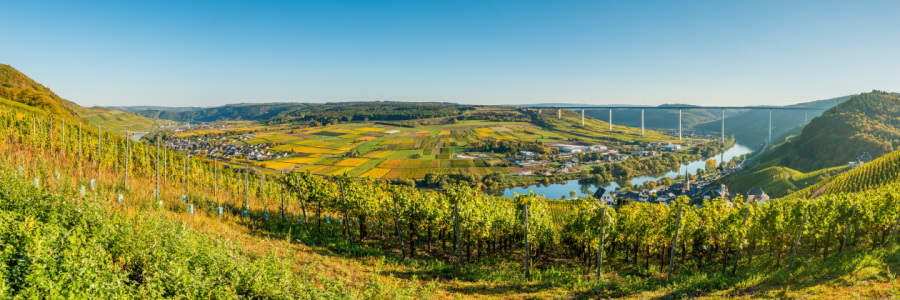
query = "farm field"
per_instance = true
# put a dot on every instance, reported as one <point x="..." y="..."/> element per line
<point x="390" y="152"/>
<point x="380" y="151"/>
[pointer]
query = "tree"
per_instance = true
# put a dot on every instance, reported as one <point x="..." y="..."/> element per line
<point x="711" y="165"/>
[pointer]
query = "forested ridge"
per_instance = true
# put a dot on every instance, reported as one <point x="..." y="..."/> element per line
<point x="317" y="113"/>
<point x="868" y="122"/>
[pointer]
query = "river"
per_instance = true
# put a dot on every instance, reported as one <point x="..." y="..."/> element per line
<point x="557" y="190"/>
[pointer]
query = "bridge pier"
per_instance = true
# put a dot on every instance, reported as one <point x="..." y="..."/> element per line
<point x="642" y="121"/>
<point x="559" y="114"/>
<point x="610" y="119"/>
<point x="582" y="117"/>
<point x="723" y="125"/>
<point x="539" y="111"/>
<point x="770" y="126"/>
<point x="679" y="124"/>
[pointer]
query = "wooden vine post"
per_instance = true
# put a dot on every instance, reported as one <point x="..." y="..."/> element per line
<point x="799" y="234"/>
<point x="847" y="231"/>
<point x="281" y="189"/>
<point x="674" y="244"/>
<point x="600" y="243"/>
<point x="62" y="135"/>
<point x="157" y="170"/>
<point x="246" y="189"/>
<point x="302" y="204"/>
<point x="456" y="230"/>
<point x="894" y="229"/>
<point x="346" y="218"/>
<point x="737" y="255"/>
<point x="127" y="156"/>
<point x="527" y="249"/>
<point x="399" y="230"/>
<point x="80" y="159"/>
<point x="99" y="152"/>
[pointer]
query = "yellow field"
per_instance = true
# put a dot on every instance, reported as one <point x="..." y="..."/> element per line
<point x="444" y="132"/>
<point x="313" y="168"/>
<point x="336" y="171"/>
<point x="315" y="143"/>
<point x="390" y="163"/>
<point x="305" y="149"/>
<point x="370" y="129"/>
<point x="302" y="160"/>
<point x="366" y="138"/>
<point x="376" y="173"/>
<point x="277" y="165"/>
<point x="352" y="162"/>
<point x="378" y="154"/>
<point x="345" y="147"/>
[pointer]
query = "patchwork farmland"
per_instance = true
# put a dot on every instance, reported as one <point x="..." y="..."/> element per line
<point x="381" y="151"/>
<point x="390" y="152"/>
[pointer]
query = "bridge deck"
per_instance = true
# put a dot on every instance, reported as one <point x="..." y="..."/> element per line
<point x="676" y="107"/>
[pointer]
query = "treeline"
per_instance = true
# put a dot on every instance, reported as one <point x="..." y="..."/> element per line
<point x="497" y="116"/>
<point x="444" y="181"/>
<point x="315" y="113"/>
<point x="629" y="168"/>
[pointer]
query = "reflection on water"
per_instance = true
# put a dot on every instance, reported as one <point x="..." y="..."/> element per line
<point x="557" y="190"/>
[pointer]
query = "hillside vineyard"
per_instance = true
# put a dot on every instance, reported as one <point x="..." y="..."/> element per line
<point x="461" y="224"/>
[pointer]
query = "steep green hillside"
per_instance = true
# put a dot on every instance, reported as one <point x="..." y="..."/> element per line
<point x="867" y="122"/>
<point x="118" y="122"/>
<point x="882" y="171"/>
<point x="17" y="87"/>
<point x="659" y="118"/>
<point x="778" y="181"/>
<point x="751" y="127"/>
<point x="21" y="92"/>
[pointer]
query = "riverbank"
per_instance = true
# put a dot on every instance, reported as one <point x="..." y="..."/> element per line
<point x="559" y="188"/>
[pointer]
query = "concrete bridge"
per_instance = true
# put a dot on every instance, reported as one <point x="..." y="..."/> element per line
<point x="680" y="108"/>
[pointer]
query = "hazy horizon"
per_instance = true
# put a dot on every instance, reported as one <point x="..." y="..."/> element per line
<point x="649" y="53"/>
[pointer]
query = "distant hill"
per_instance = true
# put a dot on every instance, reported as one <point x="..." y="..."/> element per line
<point x="315" y="112"/>
<point x="751" y="127"/>
<point x="868" y="122"/>
<point x="17" y="87"/>
<point x="160" y="108"/>
<point x="117" y="121"/>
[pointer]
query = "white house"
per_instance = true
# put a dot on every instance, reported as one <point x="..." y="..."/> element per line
<point x="603" y="195"/>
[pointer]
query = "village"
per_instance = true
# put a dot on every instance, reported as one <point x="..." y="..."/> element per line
<point x="703" y="187"/>
<point x="225" y="148"/>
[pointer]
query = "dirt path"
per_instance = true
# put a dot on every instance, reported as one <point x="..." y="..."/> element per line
<point x="790" y="176"/>
<point x="819" y="191"/>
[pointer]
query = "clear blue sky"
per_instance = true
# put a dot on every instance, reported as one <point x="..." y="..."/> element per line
<point x="179" y="53"/>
